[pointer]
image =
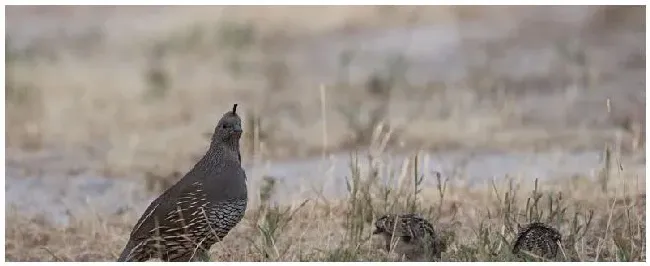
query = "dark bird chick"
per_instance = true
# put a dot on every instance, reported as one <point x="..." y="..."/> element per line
<point x="411" y="236"/>
<point x="200" y="209"/>
<point x="538" y="239"/>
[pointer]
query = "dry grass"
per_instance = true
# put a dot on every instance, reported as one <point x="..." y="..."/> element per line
<point x="142" y="100"/>
<point x="165" y="84"/>
<point x="478" y="223"/>
<point x="136" y="102"/>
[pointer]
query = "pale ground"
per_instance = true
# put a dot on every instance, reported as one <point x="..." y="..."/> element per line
<point x="95" y="93"/>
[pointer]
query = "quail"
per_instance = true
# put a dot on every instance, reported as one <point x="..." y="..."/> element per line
<point x="200" y="209"/>
<point x="414" y="237"/>
<point x="538" y="239"/>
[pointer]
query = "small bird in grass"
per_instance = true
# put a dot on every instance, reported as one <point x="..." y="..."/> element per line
<point x="200" y="209"/>
<point x="538" y="239"/>
<point x="411" y="236"/>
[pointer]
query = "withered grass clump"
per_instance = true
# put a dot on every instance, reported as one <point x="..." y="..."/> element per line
<point x="477" y="224"/>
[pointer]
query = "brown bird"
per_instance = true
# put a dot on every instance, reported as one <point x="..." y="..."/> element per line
<point x="411" y="236"/>
<point x="200" y="209"/>
<point x="538" y="239"/>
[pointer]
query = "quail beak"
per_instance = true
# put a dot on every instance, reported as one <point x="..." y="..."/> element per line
<point x="237" y="129"/>
<point x="377" y="231"/>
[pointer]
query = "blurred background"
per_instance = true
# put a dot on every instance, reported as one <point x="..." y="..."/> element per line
<point x="106" y="106"/>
